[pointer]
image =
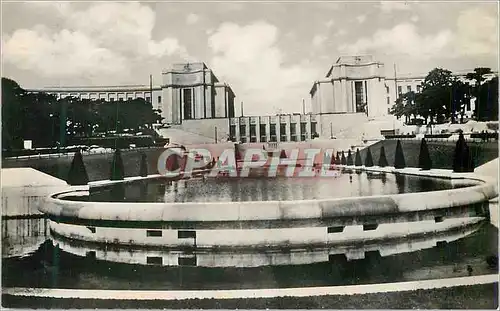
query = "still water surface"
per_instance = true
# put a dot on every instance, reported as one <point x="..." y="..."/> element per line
<point x="272" y="189"/>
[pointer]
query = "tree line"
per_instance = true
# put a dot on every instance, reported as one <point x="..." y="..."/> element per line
<point x="445" y="97"/>
<point x="49" y="121"/>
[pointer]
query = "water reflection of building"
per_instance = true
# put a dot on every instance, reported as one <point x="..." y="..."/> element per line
<point x="270" y="257"/>
<point x="23" y="236"/>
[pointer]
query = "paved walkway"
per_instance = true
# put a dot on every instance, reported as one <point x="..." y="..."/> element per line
<point x="250" y="293"/>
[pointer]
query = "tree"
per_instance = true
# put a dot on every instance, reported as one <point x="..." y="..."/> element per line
<point x="436" y="95"/>
<point x="461" y="99"/>
<point x="399" y="161"/>
<point x="369" y="158"/>
<point x="478" y="77"/>
<point x="487" y="103"/>
<point x="424" y="158"/>
<point x="343" y="160"/>
<point x="49" y="121"/>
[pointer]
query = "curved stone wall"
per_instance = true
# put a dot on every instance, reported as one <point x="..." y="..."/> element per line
<point x="303" y="223"/>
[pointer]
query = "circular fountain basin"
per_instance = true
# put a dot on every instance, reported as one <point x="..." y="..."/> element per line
<point x="254" y="215"/>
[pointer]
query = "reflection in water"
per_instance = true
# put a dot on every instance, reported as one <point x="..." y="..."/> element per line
<point x="75" y="266"/>
<point x="117" y="192"/>
<point x="272" y="189"/>
<point x="21" y="237"/>
<point x="270" y="257"/>
<point x="401" y="182"/>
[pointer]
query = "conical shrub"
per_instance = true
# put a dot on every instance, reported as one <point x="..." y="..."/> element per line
<point x="357" y="160"/>
<point x="283" y="154"/>
<point x="462" y="159"/>
<point x="399" y="161"/>
<point x="349" y="158"/>
<point x="333" y="160"/>
<point x="343" y="160"/>
<point x="143" y="171"/>
<point x="424" y="158"/>
<point x="117" y="168"/>
<point x="369" y="158"/>
<point x="459" y="154"/>
<point x="337" y="159"/>
<point x="468" y="160"/>
<point x="77" y="175"/>
<point x="382" y="161"/>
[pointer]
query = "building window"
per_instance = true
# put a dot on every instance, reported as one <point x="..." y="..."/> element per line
<point x="360" y="102"/>
<point x="187" y="103"/>
<point x="154" y="233"/>
<point x="253" y="133"/>
<point x="186" y="234"/>
<point x="159" y="99"/>
<point x="388" y="101"/>
<point x="272" y="132"/>
<point x="400" y="89"/>
<point x="293" y="132"/>
<point x="263" y="136"/>
<point x="387" y="89"/>
<point x="129" y="98"/>
<point x="303" y="131"/>
<point x="148" y="99"/>
<point x="419" y="88"/>
<point x="112" y="99"/>
<point x="232" y="133"/>
<point x="154" y="260"/>
<point x="313" y="129"/>
<point x="243" y="130"/>
<point x="283" y="132"/>
<point x="408" y="88"/>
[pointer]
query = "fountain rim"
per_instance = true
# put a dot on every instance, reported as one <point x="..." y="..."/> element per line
<point x="55" y="205"/>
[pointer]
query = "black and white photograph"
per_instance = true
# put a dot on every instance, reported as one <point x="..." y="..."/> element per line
<point x="249" y="154"/>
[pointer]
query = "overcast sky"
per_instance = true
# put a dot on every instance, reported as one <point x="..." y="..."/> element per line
<point x="270" y="53"/>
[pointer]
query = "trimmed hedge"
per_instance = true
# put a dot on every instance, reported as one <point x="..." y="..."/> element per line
<point x="400" y="136"/>
<point x="447" y="135"/>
